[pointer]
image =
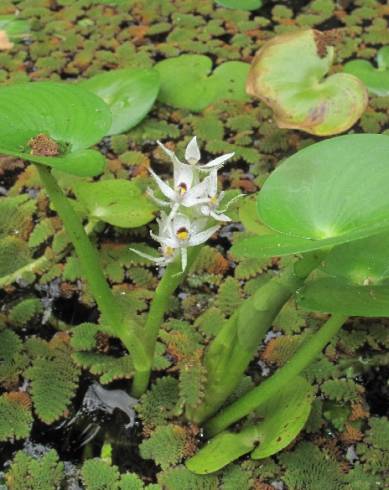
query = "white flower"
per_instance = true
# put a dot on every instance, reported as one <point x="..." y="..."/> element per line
<point x="193" y="155"/>
<point x="176" y="236"/>
<point x="210" y="208"/>
<point x="185" y="192"/>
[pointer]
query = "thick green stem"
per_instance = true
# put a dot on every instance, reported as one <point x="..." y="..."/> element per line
<point x="310" y="349"/>
<point x="170" y="281"/>
<point x="234" y="347"/>
<point x="91" y="268"/>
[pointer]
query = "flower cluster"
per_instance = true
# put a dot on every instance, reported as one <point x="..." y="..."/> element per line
<point x="192" y="201"/>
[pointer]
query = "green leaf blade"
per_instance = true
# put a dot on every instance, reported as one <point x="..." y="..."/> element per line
<point x="129" y="93"/>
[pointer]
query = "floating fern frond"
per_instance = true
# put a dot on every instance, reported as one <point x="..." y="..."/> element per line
<point x="54" y="380"/>
<point x="379" y="433"/>
<point x="210" y="322"/>
<point x="11" y="359"/>
<point x="341" y="389"/>
<point x="28" y="473"/>
<point x="24" y="311"/>
<point x="109" y="368"/>
<point x="14" y="254"/>
<point x="180" y="478"/>
<point x="158" y="404"/>
<point x="229" y="297"/>
<point x="248" y="268"/>
<point x="99" y="475"/>
<point x="167" y="445"/>
<point x="42" y="231"/>
<point x="192" y="379"/>
<point x="308" y="467"/>
<point x="84" y="336"/>
<point x="15" y="416"/>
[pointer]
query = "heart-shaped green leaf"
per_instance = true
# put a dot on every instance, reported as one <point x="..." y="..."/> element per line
<point x="297" y="93"/>
<point x="240" y="4"/>
<point x="67" y="119"/>
<point x="332" y="295"/>
<point x="186" y="82"/>
<point x="284" y="415"/>
<point x="327" y="194"/>
<point x="117" y="202"/>
<point x="129" y="93"/>
<point x="375" y="79"/>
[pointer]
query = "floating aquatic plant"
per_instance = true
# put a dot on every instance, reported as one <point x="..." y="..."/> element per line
<point x="297" y="93"/>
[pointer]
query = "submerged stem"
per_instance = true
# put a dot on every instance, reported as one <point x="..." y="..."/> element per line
<point x="260" y="394"/>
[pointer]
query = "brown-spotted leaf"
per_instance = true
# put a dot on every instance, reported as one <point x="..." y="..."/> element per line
<point x="289" y="74"/>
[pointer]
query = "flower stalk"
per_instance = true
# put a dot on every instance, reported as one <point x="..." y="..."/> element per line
<point x="128" y="331"/>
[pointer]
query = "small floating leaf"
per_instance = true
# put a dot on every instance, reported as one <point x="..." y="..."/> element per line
<point x="297" y="93"/>
<point x="240" y="4"/>
<point x="53" y="124"/>
<point x="375" y="79"/>
<point x="12" y="30"/>
<point x="117" y="202"/>
<point x="129" y="93"/>
<point x="187" y="82"/>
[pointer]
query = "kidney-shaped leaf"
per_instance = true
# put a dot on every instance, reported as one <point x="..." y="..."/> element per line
<point x="375" y="79"/>
<point x="117" y="202"/>
<point x="284" y="416"/>
<point x="332" y="295"/>
<point x="297" y="92"/>
<point x="64" y="121"/>
<point x="329" y="193"/>
<point x="129" y="93"/>
<point x="187" y="82"/>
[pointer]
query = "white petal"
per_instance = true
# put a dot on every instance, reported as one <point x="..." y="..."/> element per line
<point x="164" y="240"/>
<point x="183" y="174"/>
<point x="181" y="221"/>
<point x="219" y="216"/>
<point x="160" y="202"/>
<point x="168" y="152"/>
<point x="147" y="256"/>
<point x="165" y="189"/>
<point x="198" y="225"/>
<point x="184" y="258"/>
<point x="170" y="218"/>
<point x="203" y="236"/>
<point x="217" y="162"/>
<point x="192" y="152"/>
<point x="198" y="193"/>
<point x="212" y="183"/>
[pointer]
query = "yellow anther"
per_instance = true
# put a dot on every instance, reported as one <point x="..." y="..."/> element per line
<point x="182" y="188"/>
<point x="182" y="234"/>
